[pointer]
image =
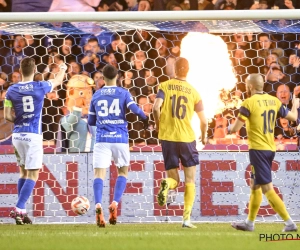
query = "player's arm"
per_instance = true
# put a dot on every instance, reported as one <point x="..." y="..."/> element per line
<point x="8" y="111"/>
<point x="240" y="121"/>
<point x="92" y="115"/>
<point x="58" y="80"/>
<point x="291" y="115"/>
<point x="159" y="100"/>
<point x="203" y="126"/>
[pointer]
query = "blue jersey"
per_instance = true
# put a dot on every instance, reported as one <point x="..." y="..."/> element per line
<point x="27" y="99"/>
<point x="108" y="112"/>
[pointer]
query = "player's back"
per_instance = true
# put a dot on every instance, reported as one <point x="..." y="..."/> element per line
<point x="110" y="103"/>
<point x="177" y="111"/>
<point x="260" y="112"/>
<point x="27" y="100"/>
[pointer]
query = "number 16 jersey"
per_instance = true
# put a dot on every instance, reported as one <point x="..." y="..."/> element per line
<point x="27" y="100"/>
<point x="180" y="101"/>
<point x="260" y="112"/>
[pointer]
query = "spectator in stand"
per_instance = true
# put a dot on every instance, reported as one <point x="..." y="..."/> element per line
<point x="5" y="5"/>
<point x="265" y="47"/>
<point x="285" y="4"/>
<point x="98" y="80"/>
<point x="104" y="5"/>
<point x="206" y="4"/>
<point x="74" y="5"/>
<point x="283" y="93"/>
<point x="132" y="5"/>
<point x="173" y="5"/>
<point x="74" y="68"/>
<point x="91" y="59"/>
<point x="292" y="70"/>
<point x="283" y="130"/>
<point x="15" y="77"/>
<point x="274" y="78"/>
<point x="11" y="57"/>
<point x="259" y="5"/>
<point x="220" y="130"/>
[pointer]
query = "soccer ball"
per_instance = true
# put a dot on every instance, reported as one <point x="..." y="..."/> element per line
<point x="80" y="205"/>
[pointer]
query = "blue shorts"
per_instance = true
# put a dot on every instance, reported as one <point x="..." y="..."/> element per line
<point x="186" y="152"/>
<point x="261" y="161"/>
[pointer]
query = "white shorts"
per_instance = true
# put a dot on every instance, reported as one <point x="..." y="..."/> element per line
<point x="105" y="152"/>
<point x="28" y="149"/>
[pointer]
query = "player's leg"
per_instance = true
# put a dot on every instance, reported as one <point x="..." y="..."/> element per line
<point x="23" y="171"/>
<point x="101" y="161"/>
<point x="279" y="207"/>
<point x="121" y="156"/>
<point x="171" y="160"/>
<point x="254" y="205"/>
<point x="189" y="158"/>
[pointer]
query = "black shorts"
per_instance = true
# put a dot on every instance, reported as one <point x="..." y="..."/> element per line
<point x="185" y="152"/>
<point x="261" y="161"/>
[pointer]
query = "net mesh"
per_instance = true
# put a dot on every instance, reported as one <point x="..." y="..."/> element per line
<point x="144" y="57"/>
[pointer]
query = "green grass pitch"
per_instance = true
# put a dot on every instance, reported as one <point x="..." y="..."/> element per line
<point x="215" y="236"/>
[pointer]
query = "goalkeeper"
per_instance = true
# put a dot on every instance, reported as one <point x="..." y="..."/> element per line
<point x="260" y="112"/>
<point x="173" y="109"/>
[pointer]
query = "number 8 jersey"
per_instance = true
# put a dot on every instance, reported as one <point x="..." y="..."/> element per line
<point x="260" y="113"/>
<point x="27" y="100"/>
<point x="180" y="102"/>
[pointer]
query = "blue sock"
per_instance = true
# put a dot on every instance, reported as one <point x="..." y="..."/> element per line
<point x="21" y="182"/>
<point x="25" y="193"/>
<point x="119" y="188"/>
<point x="98" y="190"/>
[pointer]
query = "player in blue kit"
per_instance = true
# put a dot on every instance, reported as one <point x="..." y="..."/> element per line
<point x="107" y="112"/>
<point x="23" y="106"/>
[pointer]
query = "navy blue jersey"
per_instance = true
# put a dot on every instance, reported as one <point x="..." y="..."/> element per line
<point x="108" y="113"/>
<point x="27" y="99"/>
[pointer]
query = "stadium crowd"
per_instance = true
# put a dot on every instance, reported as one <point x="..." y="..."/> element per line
<point x="145" y="58"/>
<point x="142" y="5"/>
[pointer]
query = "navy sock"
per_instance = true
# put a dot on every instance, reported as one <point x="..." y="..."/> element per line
<point x="119" y="188"/>
<point x="98" y="190"/>
<point x="21" y="182"/>
<point x="25" y="193"/>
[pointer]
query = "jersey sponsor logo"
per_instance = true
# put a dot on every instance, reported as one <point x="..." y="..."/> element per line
<point x="111" y="135"/>
<point x="26" y="124"/>
<point x="112" y="122"/>
<point x="27" y="87"/>
<point x="28" y="116"/>
<point x="19" y="138"/>
<point x="107" y="91"/>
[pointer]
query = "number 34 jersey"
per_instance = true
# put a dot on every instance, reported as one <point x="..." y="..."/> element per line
<point x="109" y="107"/>
<point x="27" y="100"/>
<point x="260" y="112"/>
<point x="180" y="100"/>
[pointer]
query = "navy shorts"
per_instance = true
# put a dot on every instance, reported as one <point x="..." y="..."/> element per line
<point x="261" y="161"/>
<point x="175" y="152"/>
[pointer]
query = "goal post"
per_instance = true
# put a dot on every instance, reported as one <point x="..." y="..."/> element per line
<point x="223" y="47"/>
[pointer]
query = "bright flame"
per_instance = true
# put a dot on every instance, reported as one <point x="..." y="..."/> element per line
<point x="210" y="71"/>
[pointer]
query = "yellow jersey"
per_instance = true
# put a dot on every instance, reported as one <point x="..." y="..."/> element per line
<point x="260" y="112"/>
<point x="180" y="101"/>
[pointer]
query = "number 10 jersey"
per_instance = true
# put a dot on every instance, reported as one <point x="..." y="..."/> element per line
<point x="27" y="100"/>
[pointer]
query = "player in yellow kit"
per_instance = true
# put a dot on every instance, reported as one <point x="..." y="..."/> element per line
<point x="259" y="112"/>
<point x="173" y="109"/>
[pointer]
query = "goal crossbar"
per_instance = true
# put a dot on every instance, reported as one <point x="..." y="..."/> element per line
<point x="149" y="16"/>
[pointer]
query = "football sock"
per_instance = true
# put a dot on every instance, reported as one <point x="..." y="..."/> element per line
<point x="98" y="190"/>
<point x="171" y="183"/>
<point x="25" y="193"/>
<point x="254" y="204"/>
<point x="21" y="182"/>
<point x="277" y="204"/>
<point x="289" y="222"/>
<point x="189" y="197"/>
<point x="119" y="188"/>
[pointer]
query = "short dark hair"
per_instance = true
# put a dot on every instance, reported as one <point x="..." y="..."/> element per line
<point x="181" y="66"/>
<point x="27" y="66"/>
<point x="109" y="71"/>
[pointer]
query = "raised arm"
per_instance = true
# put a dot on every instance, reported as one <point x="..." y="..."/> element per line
<point x="58" y="80"/>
